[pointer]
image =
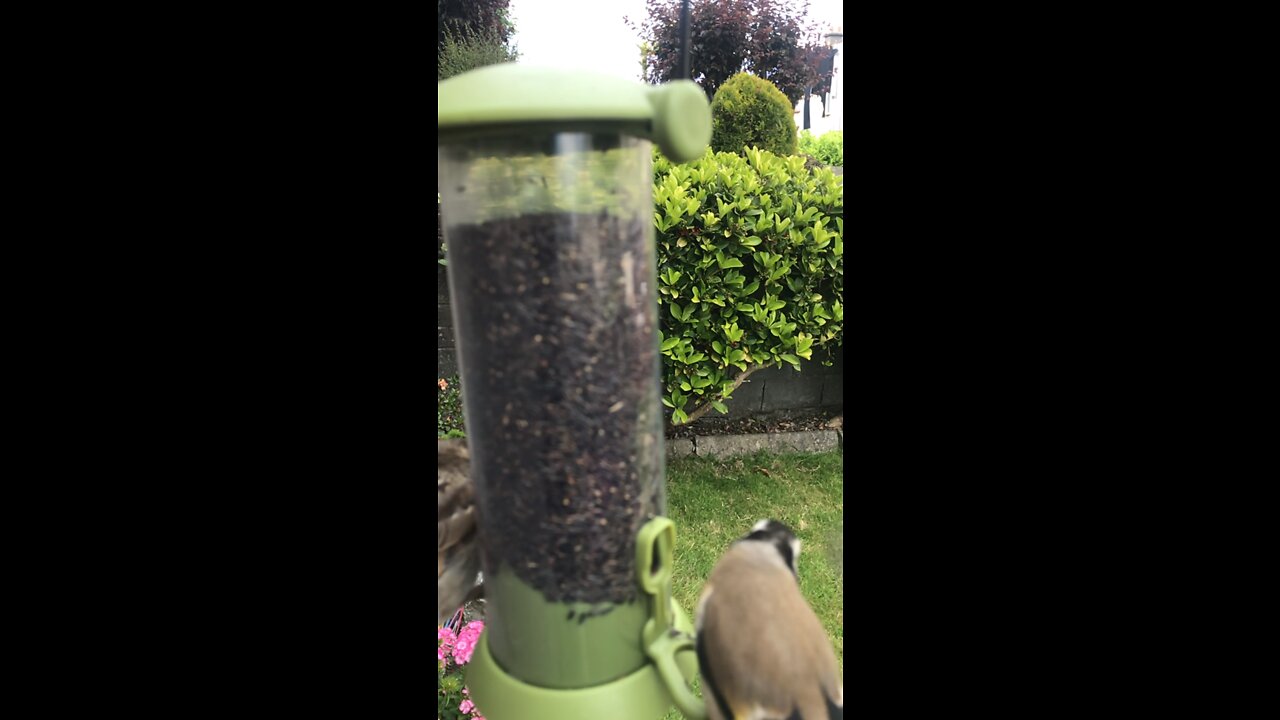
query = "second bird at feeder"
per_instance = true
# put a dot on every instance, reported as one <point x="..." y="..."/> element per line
<point x="457" y="555"/>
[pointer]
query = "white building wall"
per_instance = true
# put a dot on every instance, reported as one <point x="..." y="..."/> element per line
<point x="833" y="117"/>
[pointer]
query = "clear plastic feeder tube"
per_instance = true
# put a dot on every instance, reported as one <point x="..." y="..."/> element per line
<point x="550" y="254"/>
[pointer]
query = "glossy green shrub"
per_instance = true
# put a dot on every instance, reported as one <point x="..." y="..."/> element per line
<point x="748" y="111"/>
<point x="827" y="148"/>
<point x="750" y="271"/>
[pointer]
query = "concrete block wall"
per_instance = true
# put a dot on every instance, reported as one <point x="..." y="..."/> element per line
<point x="780" y="390"/>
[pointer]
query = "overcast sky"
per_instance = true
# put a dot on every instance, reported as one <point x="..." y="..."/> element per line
<point x="590" y="34"/>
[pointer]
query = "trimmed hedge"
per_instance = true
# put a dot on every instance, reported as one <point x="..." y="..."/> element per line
<point x="827" y="149"/>
<point x="748" y="111"/>
<point x="750" y="271"/>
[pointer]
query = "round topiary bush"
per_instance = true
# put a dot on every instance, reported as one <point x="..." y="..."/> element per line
<point x="751" y="111"/>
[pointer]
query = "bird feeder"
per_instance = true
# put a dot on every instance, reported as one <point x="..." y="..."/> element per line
<point x="546" y="184"/>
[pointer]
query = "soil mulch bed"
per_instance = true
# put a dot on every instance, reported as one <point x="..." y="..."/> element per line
<point x="790" y="422"/>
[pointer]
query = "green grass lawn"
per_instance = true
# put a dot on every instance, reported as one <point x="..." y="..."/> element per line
<point x="714" y="502"/>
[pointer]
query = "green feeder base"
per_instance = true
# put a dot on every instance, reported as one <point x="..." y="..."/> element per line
<point x="642" y="695"/>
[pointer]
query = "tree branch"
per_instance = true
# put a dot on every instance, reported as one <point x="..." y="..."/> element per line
<point x="705" y="407"/>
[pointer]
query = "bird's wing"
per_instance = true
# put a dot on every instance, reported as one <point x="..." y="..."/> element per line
<point x="823" y="696"/>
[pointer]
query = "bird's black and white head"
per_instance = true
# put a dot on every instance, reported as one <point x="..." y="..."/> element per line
<point x="780" y="537"/>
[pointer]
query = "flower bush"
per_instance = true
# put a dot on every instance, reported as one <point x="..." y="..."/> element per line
<point x="453" y="650"/>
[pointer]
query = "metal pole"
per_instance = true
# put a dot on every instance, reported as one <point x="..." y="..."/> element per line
<point x="684" y="42"/>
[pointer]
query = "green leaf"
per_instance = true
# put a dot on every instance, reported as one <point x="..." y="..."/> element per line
<point x="719" y="406"/>
<point x="677" y="312"/>
<point x="727" y="262"/>
<point x="670" y="343"/>
<point x="791" y="359"/>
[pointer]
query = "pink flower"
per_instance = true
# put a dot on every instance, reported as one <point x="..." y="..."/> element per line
<point x="462" y="651"/>
<point x="472" y="631"/>
<point x="446" y="641"/>
<point x="466" y="706"/>
<point x="444" y="384"/>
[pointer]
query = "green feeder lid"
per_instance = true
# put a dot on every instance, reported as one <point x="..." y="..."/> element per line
<point x="675" y="115"/>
